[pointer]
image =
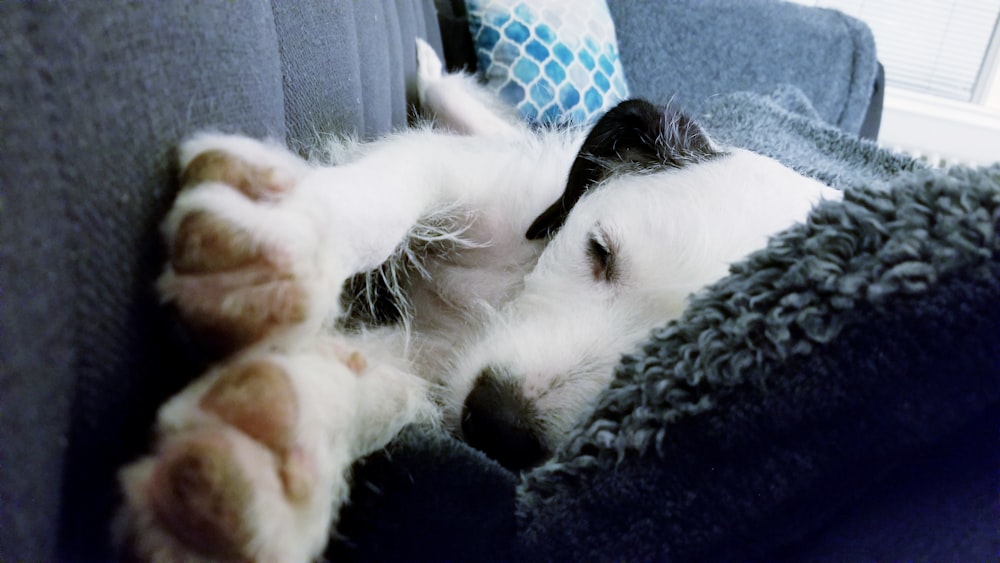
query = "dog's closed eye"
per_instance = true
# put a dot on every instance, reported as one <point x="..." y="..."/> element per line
<point x="602" y="254"/>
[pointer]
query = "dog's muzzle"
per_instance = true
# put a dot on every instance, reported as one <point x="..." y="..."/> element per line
<point x="499" y="421"/>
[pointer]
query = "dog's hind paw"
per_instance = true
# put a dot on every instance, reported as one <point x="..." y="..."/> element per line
<point x="235" y="476"/>
<point x="251" y="459"/>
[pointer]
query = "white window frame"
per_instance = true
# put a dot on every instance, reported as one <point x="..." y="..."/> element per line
<point x="947" y="130"/>
<point x="987" y="92"/>
<point x="940" y="129"/>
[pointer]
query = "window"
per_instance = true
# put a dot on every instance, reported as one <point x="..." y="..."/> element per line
<point x="936" y="47"/>
<point x="942" y="64"/>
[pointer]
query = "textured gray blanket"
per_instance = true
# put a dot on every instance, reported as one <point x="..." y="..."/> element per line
<point x="826" y="372"/>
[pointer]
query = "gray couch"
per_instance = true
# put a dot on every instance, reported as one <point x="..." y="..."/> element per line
<point x="93" y="98"/>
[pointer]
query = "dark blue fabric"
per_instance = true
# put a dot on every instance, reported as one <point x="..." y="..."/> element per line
<point x="904" y="519"/>
<point x="428" y="497"/>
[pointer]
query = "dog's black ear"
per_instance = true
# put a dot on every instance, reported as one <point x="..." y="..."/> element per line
<point x="634" y="135"/>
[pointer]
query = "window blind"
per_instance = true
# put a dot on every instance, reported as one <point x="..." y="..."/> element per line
<point x="935" y="47"/>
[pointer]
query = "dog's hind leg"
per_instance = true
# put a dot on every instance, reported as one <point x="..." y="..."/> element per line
<point x="458" y="103"/>
<point x="251" y="461"/>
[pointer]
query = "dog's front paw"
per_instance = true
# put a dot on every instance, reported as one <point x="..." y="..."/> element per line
<point x="251" y="459"/>
<point x="242" y="264"/>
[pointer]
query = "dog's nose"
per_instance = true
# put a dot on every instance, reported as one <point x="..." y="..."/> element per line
<point x="499" y="421"/>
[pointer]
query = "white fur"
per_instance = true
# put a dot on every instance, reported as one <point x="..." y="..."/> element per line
<point x="490" y="297"/>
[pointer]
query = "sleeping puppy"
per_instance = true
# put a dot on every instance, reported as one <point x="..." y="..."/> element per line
<point x="516" y="265"/>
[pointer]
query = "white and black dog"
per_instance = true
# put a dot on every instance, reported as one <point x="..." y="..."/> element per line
<point x="523" y="264"/>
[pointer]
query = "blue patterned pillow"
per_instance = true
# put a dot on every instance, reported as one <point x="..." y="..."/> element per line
<point x="555" y="60"/>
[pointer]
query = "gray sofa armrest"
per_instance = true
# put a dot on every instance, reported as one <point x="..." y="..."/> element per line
<point x="688" y="51"/>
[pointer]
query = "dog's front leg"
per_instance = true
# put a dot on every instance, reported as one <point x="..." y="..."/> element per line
<point x="261" y="242"/>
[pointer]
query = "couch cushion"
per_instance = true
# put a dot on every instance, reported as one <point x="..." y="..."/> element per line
<point x="348" y="67"/>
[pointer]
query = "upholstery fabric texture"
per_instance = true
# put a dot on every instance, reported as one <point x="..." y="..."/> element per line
<point x="688" y="55"/>
<point x="95" y="97"/>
